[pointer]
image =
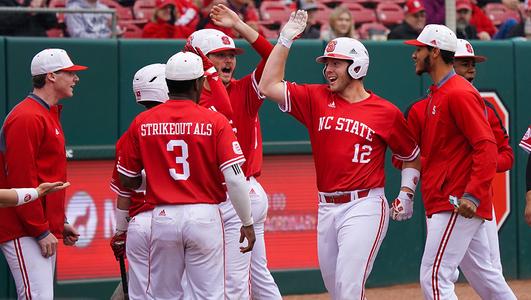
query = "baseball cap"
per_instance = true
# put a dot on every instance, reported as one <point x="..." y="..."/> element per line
<point x="53" y="60"/>
<point x="437" y="36"/>
<point x="163" y="3"/>
<point x="465" y="50"/>
<point x="149" y="83"/>
<point x="463" y="4"/>
<point x="212" y="41"/>
<point x="413" y="7"/>
<point x="184" y="66"/>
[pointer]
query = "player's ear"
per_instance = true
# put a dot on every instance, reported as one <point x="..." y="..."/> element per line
<point x="51" y="77"/>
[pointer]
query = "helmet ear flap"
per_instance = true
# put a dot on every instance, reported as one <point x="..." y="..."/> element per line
<point x="351" y="70"/>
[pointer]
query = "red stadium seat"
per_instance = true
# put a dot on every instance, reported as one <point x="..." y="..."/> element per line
<point x="323" y="14"/>
<point x="389" y="13"/>
<point x="144" y="9"/>
<point x="131" y="31"/>
<point x="498" y="13"/>
<point x="359" y="13"/>
<point x="275" y="11"/>
<point x="123" y="13"/>
<point x="399" y="2"/>
<point x="371" y="30"/>
<point x="55" y="33"/>
<point x="269" y="33"/>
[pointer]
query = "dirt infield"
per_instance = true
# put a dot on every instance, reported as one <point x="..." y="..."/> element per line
<point x="522" y="289"/>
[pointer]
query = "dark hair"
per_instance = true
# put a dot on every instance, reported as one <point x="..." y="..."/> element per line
<point x="180" y="87"/>
<point x="38" y="81"/>
<point x="447" y="56"/>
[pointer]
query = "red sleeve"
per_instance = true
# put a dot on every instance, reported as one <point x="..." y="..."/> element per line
<point x="229" y="151"/>
<point x="23" y="138"/>
<point x="116" y="185"/>
<point x="129" y="158"/>
<point x="149" y="31"/>
<point x="220" y="98"/>
<point x="481" y="21"/>
<point x="297" y="102"/>
<point x="263" y="47"/>
<point x="468" y="111"/>
<point x="413" y="118"/>
<point x="505" y="158"/>
<point x="400" y="139"/>
<point x="525" y="143"/>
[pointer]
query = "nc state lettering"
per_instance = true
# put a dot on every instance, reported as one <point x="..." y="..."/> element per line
<point x="346" y="125"/>
<point x="187" y="128"/>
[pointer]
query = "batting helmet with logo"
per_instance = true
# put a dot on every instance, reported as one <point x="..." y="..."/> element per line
<point x="348" y="49"/>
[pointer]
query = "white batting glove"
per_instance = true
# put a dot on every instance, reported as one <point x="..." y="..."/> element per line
<point x="293" y="28"/>
<point x="402" y="207"/>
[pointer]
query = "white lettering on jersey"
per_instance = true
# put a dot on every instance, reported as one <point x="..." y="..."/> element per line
<point x="346" y="125"/>
<point x="149" y="129"/>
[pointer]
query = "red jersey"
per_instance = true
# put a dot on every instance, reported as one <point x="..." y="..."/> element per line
<point x="458" y="146"/>
<point x="349" y="140"/>
<point x="183" y="146"/>
<point x="138" y="200"/>
<point x="525" y="143"/>
<point x="33" y="146"/>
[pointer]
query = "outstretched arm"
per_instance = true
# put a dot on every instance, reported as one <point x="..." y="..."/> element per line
<point x="271" y="83"/>
<point x="15" y="197"/>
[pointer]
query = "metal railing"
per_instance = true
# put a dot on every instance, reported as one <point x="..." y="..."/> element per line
<point x="65" y="10"/>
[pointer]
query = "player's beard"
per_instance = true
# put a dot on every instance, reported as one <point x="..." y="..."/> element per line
<point x="426" y="66"/>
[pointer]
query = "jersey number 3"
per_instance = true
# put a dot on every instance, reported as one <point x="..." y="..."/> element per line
<point x="179" y="159"/>
<point x="360" y="155"/>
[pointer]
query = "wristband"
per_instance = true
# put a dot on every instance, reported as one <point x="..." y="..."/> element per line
<point x="211" y="71"/>
<point x="26" y="195"/>
<point x="284" y="41"/>
<point x="122" y="219"/>
<point x="410" y="178"/>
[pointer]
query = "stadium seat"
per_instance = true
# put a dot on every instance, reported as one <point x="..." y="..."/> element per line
<point x="123" y="13"/>
<point x="359" y="13"/>
<point x="389" y="13"/>
<point x="498" y="13"/>
<point x="323" y="15"/>
<point x="399" y="2"/>
<point x="373" y="31"/>
<point x="269" y="33"/>
<point x="131" y="31"/>
<point x="55" y="33"/>
<point x="143" y="9"/>
<point x="274" y="11"/>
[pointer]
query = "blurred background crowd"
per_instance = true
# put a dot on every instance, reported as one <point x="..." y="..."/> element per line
<point x="328" y="19"/>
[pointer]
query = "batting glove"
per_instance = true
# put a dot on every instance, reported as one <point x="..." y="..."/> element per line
<point x="293" y="28"/>
<point x="402" y="207"/>
<point x="118" y="244"/>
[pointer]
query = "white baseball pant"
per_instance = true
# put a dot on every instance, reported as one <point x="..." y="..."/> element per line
<point x="186" y="236"/>
<point x="137" y="250"/>
<point x="349" y="237"/>
<point x="450" y="238"/>
<point x="32" y="272"/>
<point x="247" y="275"/>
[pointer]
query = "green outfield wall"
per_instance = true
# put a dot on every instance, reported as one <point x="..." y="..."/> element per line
<point x="103" y="107"/>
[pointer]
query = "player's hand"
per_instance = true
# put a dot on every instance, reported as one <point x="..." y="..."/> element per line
<point x="402" y="206"/>
<point x="208" y="66"/>
<point x="118" y="244"/>
<point x="466" y="208"/>
<point x="70" y="235"/>
<point x="527" y="213"/>
<point x="295" y="26"/>
<point x="48" y="245"/>
<point x="45" y="188"/>
<point x="247" y="232"/>
<point x="223" y="16"/>
<point x="484" y="36"/>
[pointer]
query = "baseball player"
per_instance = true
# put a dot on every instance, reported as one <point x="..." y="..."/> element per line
<point x="246" y="101"/>
<point x="28" y="233"/>
<point x="187" y="151"/>
<point x="525" y="143"/>
<point x="16" y="197"/>
<point x="350" y="129"/>
<point x="459" y="162"/>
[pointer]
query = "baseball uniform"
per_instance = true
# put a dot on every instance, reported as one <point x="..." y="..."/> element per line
<point x="183" y="146"/>
<point x="525" y="143"/>
<point x="349" y="141"/>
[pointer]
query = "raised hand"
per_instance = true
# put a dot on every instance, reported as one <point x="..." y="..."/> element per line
<point x="224" y="16"/>
<point x="295" y="26"/>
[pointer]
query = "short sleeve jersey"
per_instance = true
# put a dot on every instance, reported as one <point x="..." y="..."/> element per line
<point x="525" y="143"/>
<point x="182" y="147"/>
<point x="246" y="101"/>
<point x="349" y="140"/>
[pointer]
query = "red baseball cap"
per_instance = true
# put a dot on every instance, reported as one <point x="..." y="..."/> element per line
<point x="413" y="7"/>
<point x="463" y="4"/>
<point x="163" y="3"/>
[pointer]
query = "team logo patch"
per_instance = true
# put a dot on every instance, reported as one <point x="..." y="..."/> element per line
<point x="162" y="213"/>
<point x="527" y="134"/>
<point x="225" y="40"/>
<point x="57" y="131"/>
<point x="332" y="104"/>
<point x="27" y="197"/>
<point x="331" y="46"/>
<point x="236" y="148"/>
<point x="469" y="48"/>
<point x="433" y="42"/>
<point x="353" y="51"/>
<point x="138" y="94"/>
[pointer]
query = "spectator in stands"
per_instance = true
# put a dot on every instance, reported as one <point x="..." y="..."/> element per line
<point x="483" y="24"/>
<point x="93" y="26"/>
<point x="26" y="24"/>
<point x="245" y="10"/>
<point x="313" y="28"/>
<point x="463" y="28"/>
<point x="414" y="22"/>
<point x="341" y="25"/>
<point x="167" y="21"/>
<point x="523" y="29"/>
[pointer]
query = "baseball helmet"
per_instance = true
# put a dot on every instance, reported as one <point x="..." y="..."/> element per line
<point x="212" y="41"/>
<point x="149" y="84"/>
<point x="464" y="50"/>
<point x="348" y="49"/>
<point x="184" y="66"/>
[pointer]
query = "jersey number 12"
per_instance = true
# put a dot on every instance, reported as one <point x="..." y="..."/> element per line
<point x="360" y="155"/>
